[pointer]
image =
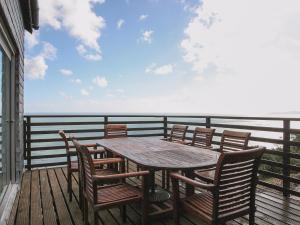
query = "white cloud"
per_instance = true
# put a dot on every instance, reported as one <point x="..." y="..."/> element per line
<point x="31" y="40"/>
<point x="36" y="67"/>
<point x="248" y="57"/>
<point x="87" y="55"/>
<point x="120" y="23"/>
<point x="84" y="92"/>
<point x="160" y="70"/>
<point x="143" y="17"/>
<point x="78" y="18"/>
<point x="147" y="36"/>
<point x="76" y="81"/>
<point x="66" y="72"/>
<point x="100" y="81"/>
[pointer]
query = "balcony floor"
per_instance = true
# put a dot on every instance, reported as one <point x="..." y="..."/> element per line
<point x="43" y="200"/>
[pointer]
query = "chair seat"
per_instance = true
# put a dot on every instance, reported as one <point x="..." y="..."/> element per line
<point x="118" y="193"/>
<point x="103" y="172"/>
<point x="206" y="175"/>
<point x="200" y="203"/>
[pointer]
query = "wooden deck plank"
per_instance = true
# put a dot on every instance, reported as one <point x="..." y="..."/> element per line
<point x="49" y="215"/>
<point x="61" y="207"/>
<point x="44" y="195"/>
<point x="73" y="205"/>
<point x="23" y="214"/>
<point x="13" y="213"/>
<point x="36" y="206"/>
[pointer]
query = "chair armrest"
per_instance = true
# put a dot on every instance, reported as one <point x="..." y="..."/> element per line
<point x="97" y="151"/>
<point x="194" y="183"/>
<point x="120" y="176"/>
<point x="107" y="161"/>
<point x="90" y="145"/>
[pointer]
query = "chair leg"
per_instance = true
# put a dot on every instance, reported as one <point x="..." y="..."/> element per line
<point x="252" y="217"/>
<point x="70" y="185"/>
<point x="168" y="179"/>
<point x="163" y="178"/>
<point x="96" y="222"/>
<point x="123" y="213"/>
<point x="81" y="198"/>
<point x="176" y="201"/>
<point x="85" y="212"/>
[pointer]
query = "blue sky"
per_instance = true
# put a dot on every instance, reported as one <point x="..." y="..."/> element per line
<point x="158" y="56"/>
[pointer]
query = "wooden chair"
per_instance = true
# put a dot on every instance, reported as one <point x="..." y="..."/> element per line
<point x="232" y="193"/>
<point x="99" y="169"/>
<point x="110" y="196"/>
<point x="72" y="165"/>
<point x="177" y="134"/>
<point x="202" y="137"/>
<point x="231" y="141"/>
<point x="115" y="130"/>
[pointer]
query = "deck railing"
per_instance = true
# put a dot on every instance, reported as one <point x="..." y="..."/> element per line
<point x="280" y="167"/>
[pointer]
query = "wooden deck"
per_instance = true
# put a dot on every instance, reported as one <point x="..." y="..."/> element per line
<point x="43" y="200"/>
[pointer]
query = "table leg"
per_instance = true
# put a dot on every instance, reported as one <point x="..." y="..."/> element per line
<point x="189" y="189"/>
<point x="152" y="181"/>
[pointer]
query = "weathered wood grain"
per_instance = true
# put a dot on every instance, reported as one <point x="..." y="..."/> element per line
<point x="155" y="153"/>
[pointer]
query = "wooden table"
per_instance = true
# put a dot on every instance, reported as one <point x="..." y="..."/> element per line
<point x="155" y="154"/>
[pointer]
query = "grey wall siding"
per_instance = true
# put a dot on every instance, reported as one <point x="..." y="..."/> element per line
<point x="12" y="13"/>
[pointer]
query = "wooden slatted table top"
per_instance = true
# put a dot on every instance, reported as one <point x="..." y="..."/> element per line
<point x="156" y="153"/>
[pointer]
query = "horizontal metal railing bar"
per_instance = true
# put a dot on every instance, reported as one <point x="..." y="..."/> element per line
<point x="246" y="127"/>
<point x="279" y="153"/>
<point x="48" y="156"/>
<point x="166" y="115"/>
<point x="47" y="164"/>
<point x="278" y="188"/>
<point x="40" y="140"/>
<point x="48" y="148"/>
<point x="92" y="130"/>
<point x="279" y="176"/>
<point x="187" y="123"/>
<point x="91" y="115"/>
<point x="280" y="165"/>
<point x="33" y="124"/>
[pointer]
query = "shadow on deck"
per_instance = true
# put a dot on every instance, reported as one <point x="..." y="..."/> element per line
<point x="43" y="200"/>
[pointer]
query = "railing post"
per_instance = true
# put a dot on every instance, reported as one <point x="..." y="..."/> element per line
<point x="28" y="142"/>
<point x="207" y="122"/>
<point x="165" y="127"/>
<point x="105" y="120"/>
<point x="286" y="156"/>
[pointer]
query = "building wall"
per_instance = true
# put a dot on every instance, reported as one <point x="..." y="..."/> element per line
<point x="11" y="11"/>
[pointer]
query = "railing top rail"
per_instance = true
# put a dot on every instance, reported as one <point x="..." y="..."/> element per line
<point x="164" y="115"/>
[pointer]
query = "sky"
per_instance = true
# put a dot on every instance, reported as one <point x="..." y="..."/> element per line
<point x="164" y="56"/>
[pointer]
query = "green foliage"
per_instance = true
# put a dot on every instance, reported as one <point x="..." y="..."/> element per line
<point x="279" y="159"/>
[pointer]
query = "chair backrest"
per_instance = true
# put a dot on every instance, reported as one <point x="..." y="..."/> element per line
<point x="203" y="137"/>
<point x="87" y="169"/>
<point x="115" y="130"/>
<point x="178" y="132"/>
<point x="235" y="181"/>
<point x="234" y="141"/>
<point x="67" y="146"/>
